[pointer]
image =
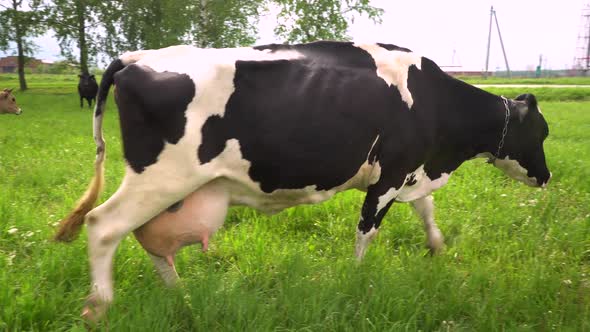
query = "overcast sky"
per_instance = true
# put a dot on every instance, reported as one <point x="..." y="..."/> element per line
<point x="454" y="32"/>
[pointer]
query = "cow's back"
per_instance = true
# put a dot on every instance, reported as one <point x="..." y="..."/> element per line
<point x="271" y="119"/>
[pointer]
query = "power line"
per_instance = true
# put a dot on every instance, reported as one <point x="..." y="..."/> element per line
<point x="493" y="14"/>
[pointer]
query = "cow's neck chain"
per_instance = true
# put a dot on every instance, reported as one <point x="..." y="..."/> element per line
<point x="504" y="131"/>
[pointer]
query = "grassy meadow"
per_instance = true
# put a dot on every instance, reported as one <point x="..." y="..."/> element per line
<point x="516" y="258"/>
<point x="580" y="80"/>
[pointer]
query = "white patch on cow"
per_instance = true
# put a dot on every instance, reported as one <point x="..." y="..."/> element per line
<point x="544" y="184"/>
<point x="514" y="170"/>
<point x="486" y="155"/>
<point x="386" y="198"/>
<point x="362" y="241"/>
<point x="212" y="71"/>
<point x="374" y="175"/>
<point x="424" y="185"/>
<point x="393" y="67"/>
<point x="134" y="56"/>
<point x="97" y="130"/>
<point x="372" y="147"/>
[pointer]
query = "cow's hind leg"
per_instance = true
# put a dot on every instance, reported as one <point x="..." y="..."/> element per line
<point x="137" y="200"/>
<point x="425" y="209"/>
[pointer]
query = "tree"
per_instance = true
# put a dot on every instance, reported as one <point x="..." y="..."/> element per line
<point x="310" y="20"/>
<point x="150" y="24"/>
<point x="77" y="24"/>
<point x="226" y="23"/>
<point x="17" y="25"/>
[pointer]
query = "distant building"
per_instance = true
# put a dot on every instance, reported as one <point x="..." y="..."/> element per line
<point x="465" y="73"/>
<point x="9" y="64"/>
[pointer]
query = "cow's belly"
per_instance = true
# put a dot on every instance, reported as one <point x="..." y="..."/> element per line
<point x="243" y="191"/>
<point x="419" y="184"/>
<point x="278" y="200"/>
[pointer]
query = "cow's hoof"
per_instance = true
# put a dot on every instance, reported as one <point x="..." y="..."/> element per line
<point x="436" y="242"/>
<point x="94" y="310"/>
<point x="362" y="241"/>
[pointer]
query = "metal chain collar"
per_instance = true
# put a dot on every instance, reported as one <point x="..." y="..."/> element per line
<point x="504" y="131"/>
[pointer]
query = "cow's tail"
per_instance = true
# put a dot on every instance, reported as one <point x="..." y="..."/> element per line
<point x="70" y="226"/>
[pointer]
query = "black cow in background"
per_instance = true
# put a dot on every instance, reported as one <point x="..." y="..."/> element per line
<point x="87" y="88"/>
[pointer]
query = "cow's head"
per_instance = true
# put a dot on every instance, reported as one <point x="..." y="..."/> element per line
<point x="86" y="79"/>
<point x="8" y="103"/>
<point x="522" y="157"/>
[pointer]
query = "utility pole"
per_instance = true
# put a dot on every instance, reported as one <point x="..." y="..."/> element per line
<point x="493" y="14"/>
<point x="587" y="15"/>
<point x="582" y="57"/>
<point x="485" y="74"/>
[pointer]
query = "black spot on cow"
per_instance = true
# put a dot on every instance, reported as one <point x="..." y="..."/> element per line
<point x="296" y="126"/>
<point x="411" y="180"/>
<point x="391" y="47"/>
<point x="175" y="207"/>
<point x="152" y="109"/>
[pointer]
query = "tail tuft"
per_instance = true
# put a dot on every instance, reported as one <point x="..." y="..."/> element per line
<point x="69" y="227"/>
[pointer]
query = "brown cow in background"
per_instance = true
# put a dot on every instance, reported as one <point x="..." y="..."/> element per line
<point x="8" y="103"/>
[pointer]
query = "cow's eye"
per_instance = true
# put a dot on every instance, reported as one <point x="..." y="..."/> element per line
<point x="13" y="99"/>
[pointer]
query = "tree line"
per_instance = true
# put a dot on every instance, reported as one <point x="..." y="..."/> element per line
<point x="107" y="28"/>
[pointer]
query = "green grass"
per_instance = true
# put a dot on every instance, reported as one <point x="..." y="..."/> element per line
<point x="531" y="81"/>
<point x="517" y="258"/>
<point x="44" y="83"/>
<point x="545" y="93"/>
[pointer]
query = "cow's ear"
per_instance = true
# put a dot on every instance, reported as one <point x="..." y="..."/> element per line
<point x="524" y="104"/>
<point x="531" y="101"/>
<point x="520" y="109"/>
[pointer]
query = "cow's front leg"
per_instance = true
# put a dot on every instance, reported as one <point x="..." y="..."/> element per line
<point x="377" y="202"/>
<point x="425" y="208"/>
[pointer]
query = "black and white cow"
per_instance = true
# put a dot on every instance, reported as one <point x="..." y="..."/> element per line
<point x="276" y="126"/>
<point x="87" y="88"/>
